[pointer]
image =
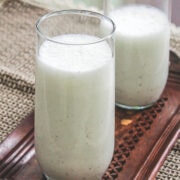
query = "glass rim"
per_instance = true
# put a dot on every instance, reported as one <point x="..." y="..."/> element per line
<point x="74" y="11"/>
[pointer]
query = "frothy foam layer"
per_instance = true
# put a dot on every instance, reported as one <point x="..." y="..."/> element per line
<point x="75" y="58"/>
<point x="138" y="20"/>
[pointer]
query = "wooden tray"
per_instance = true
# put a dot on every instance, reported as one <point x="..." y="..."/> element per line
<point x="140" y="148"/>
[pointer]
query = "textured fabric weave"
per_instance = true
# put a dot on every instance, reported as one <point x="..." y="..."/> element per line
<point x="17" y="37"/>
<point x="171" y="167"/>
<point x="175" y="39"/>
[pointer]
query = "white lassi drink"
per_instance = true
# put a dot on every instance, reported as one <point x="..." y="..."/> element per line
<point x="74" y="127"/>
<point x="142" y="54"/>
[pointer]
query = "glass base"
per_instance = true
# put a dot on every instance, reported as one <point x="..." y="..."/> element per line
<point x="133" y="107"/>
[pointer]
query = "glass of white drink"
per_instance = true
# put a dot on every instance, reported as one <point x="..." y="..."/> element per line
<point x="142" y="50"/>
<point x="75" y="95"/>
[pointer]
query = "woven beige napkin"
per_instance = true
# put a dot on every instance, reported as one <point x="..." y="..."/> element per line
<point x="171" y="167"/>
<point x="175" y="40"/>
<point x="17" y="51"/>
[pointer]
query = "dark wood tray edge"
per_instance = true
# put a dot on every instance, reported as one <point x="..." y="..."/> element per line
<point x="18" y="148"/>
<point x="155" y="159"/>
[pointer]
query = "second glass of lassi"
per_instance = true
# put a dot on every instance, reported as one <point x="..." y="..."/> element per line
<point x="142" y="50"/>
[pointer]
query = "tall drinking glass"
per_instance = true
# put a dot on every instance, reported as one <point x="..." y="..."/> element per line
<point x="74" y="109"/>
<point x="142" y="50"/>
